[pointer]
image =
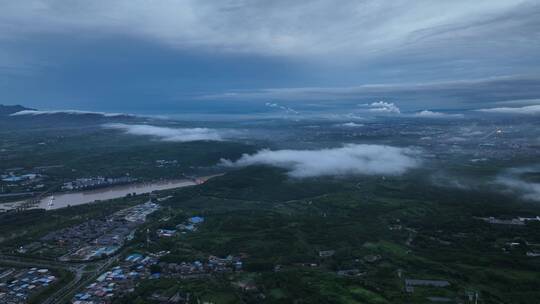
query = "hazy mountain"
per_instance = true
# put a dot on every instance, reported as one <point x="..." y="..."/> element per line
<point x="10" y="109"/>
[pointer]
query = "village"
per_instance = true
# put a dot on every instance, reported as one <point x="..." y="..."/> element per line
<point x="93" y="239"/>
<point x="96" y="182"/>
<point x="17" y="285"/>
<point x="122" y="278"/>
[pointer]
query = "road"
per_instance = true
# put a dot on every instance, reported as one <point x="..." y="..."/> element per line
<point x="82" y="279"/>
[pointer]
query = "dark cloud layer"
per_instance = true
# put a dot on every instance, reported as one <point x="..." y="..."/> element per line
<point x="139" y="55"/>
<point x="449" y="94"/>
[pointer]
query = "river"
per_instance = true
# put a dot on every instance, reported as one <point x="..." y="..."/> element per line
<point x="64" y="199"/>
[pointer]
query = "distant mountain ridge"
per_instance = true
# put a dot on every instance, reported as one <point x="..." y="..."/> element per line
<point x="10" y="109"/>
<point x="22" y="111"/>
<point x="18" y="116"/>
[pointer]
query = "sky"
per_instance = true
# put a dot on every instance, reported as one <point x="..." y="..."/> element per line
<point x="239" y="56"/>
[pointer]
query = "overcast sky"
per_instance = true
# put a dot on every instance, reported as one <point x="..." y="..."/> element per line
<point x="217" y="55"/>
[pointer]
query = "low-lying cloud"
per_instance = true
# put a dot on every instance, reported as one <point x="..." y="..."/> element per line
<point x="432" y="114"/>
<point x="351" y="159"/>
<point x="288" y="110"/>
<point x="70" y="112"/>
<point x="384" y="107"/>
<point x="526" y="110"/>
<point x="513" y="180"/>
<point x="168" y="134"/>
<point x="350" y="125"/>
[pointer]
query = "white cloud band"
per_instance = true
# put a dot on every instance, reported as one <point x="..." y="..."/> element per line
<point x="351" y="159"/>
<point x="432" y="114"/>
<point x="168" y="134"/>
<point x="384" y="107"/>
<point x="71" y="112"/>
<point x="514" y="181"/>
<point x="526" y="110"/>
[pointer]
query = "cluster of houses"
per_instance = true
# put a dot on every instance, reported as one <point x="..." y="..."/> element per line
<point x="91" y="239"/>
<point x="161" y="163"/>
<point x="17" y="285"/>
<point x="20" y="184"/>
<point x="410" y="284"/>
<point x="518" y="221"/>
<point x="200" y="269"/>
<point x="138" y="214"/>
<point x="190" y="225"/>
<point x="119" y="280"/>
<point x="166" y="232"/>
<point x="532" y="250"/>
<point x="97" y="231"/>
<point x="12" y="178"/>
<point x="96" y="182"/>
<point x="91" y="252"/>
<point x="123" y="278"/>
<point x="97" y="238"/>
